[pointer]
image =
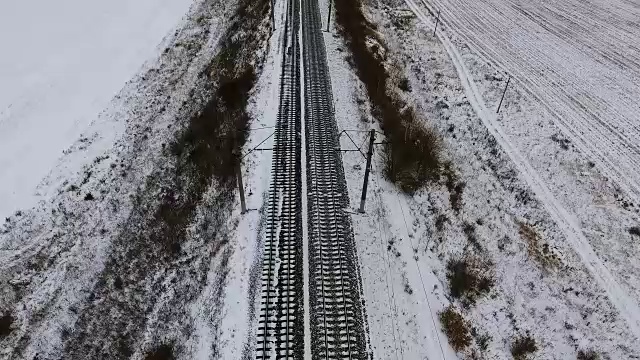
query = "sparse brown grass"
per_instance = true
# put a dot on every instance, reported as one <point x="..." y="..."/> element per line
<point x="469" y="278"/>
<point x="537" y="248"/>
<point x="413" y="150"/>
<point x="456" y="328"/>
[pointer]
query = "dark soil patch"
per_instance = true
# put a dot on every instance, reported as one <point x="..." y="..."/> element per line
<point x="163" y="352"/>
<point x="412" y="151"/>
<point x="6" y="321"/>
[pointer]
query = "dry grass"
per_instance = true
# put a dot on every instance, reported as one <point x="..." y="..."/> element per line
<point x="469" y="278"/>
<point x="456" y="328"/>
<point x="537" y="248"/>
<point x="413" y="151"/>
<point x="209" y="147"/>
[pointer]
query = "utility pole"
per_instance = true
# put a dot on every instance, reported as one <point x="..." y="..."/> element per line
<point x="503" y="93"/>
<point x="329" y="16"/>
<point x="243" y="204"/>
<point x="437" y="21"/>
<point x="366" y="171"/>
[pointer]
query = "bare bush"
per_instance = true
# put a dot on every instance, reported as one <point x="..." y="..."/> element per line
<point x="456" y="328"/>
<point x="6" y="322"/>
<point x="522" y="347"/>
<point x="538" y="250"/>
<point x="469" y="278"/>
<point x="162" y="352"/>
<point x="587" y="355"/>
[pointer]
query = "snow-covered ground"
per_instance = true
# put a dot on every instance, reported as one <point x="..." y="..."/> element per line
<point x="61" y="64"/>
<point x="519" y="166"/>
<point x="581" y="59"/>
<point x="57" y="258"/>
<point x="91" y="93"/>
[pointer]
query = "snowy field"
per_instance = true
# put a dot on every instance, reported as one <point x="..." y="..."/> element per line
<point x="62" y="62"/>
<point x="581" y="59"/>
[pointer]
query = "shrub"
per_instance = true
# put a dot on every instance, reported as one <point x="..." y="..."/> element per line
<point x="522" y="347"/>
<point x="163" y="352"/>
<point x="587" y="355"/>
<point x="456" y="328"/>
<point x="634" y="230"/>
<point x="6" y="321"/>
<point x="537" y="248"/>
<point x="469" y="278"/>
<point x="404" y="85"/>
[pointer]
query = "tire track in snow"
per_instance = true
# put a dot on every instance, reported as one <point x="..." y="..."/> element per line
<point x="625" y="304"/>
<point x="592" y="107"/>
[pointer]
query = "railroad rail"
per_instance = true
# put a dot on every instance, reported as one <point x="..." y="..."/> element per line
<point x="335" y="307"/>
<point x="337" y="329"/>
<point x="280" y="323"/>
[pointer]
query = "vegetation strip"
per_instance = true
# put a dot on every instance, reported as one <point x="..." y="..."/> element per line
<point x="413" y="151"/>
<point x="199" y="162"/>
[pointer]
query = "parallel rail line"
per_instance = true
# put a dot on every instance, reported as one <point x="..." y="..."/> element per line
<point x="335" y="307"/>
<point x="280" y="323"/>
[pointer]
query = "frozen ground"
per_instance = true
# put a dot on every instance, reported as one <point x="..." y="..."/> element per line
<point x="61" y="64"/>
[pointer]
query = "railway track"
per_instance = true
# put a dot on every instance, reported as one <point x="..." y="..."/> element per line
<point x="280" y="323"/>
<point x="334" y="286"/>
<point x="335" y="307"/>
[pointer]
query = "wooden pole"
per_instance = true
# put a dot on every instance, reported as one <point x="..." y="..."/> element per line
<point x="363" y="198"/>
<point x="437" y="21"/>
<point x="329" y="16"/>
<point x="273" y="16"/>
<point x="243" y="204"/>
<point x="503" y="93"/>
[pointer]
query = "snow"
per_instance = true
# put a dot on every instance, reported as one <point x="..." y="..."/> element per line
<point x="514" y="171"/>
<point x="562" y="155"/>
<point x="581" y="60"/>
<point x="61" y="64"/>
<point x="304" y="202"/>
<point x="112" y="159"/>
<point x="573" y="232"/>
